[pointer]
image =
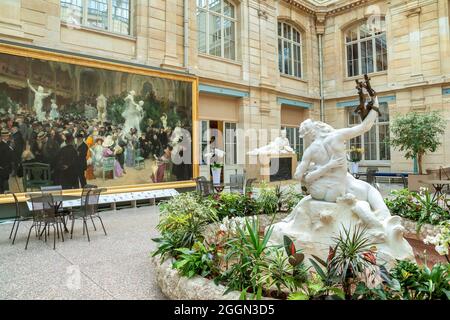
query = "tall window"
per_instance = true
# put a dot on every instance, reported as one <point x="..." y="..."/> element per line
<point x="374" y="142"/>
<point x="294" y="140"/>
<point x="216" y="23"/>
<point x="289" y="50"/>
<point x="109" y="15"/>
<point x="366" y="48"/>
<point x="230" y="143"/>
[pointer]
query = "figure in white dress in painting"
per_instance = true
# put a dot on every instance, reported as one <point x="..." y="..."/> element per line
<point x="54" y="114"/>
<point x="39" y="96"/>
<point x="101" y="108"/>
<point x="133" y="113"/>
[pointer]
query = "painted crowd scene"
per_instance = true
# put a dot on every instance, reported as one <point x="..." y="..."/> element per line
<point x="90" y="126"/>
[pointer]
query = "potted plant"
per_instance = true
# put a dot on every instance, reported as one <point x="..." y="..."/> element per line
<point x="416" y="134"/>
<point x="216" y="169"/>
<point x="355" y="158"/>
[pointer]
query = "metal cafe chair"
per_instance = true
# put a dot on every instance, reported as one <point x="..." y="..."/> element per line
<point x="84" y="192"/>
<point x="44" y="214"/>
<point x="20" y="216"/>
<point x="237" y="183"/>
<point x="197" y="183"/>
<point x="206" y="188"/>
<point x="88" y="209"/>
<point x="249" y="185"/>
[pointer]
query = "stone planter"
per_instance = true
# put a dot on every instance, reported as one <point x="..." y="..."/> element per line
<point x="426" y="230"/>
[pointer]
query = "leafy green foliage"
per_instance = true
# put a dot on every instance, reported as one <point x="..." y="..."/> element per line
<point x="417" y="133"/>
<point x="198" y="260"/>
<point x="420" y="207"/>
<point x="247" y="254"/>
<point x="235" y="204"/>
<point x="268" y="199"/>
<point x="421" y="282"/>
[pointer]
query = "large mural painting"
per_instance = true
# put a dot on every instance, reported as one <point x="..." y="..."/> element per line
<point x="94" y="126"/>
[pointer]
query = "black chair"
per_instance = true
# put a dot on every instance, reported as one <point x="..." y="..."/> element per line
<point x="18" y="218"/>
<point x="237" y="183"/>
<point x="88" y="209"/>
<point x="197" y="183"/>
<point x="206" y="188"/>
<point x="44" y="213"/>
<point x="84" y="193"/>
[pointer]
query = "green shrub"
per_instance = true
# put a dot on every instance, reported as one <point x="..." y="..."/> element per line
<point x="198" y="260"/>
<point x="420" y="207"/>
<point x="235" y="204"/>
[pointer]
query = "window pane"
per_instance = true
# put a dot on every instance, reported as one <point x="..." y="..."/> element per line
<point x="230" y="143"/>
<point x="366" y="56"/>
<point x="228" y="9"/>
<point x="351" y="35"/>
<point x="364" y="31"/>
<point x="215" y="36"/>
<point x="385" y="152"/>
<point x="355" y="142"/>
<point x="201" y="27"/>
<point x="384" y="112"/>
<point x="370" y="144"/>
<point x="72" y="11"/>
<point x="201" y="4"/>
<point x="287" y="58"/>
<point x="287" y="31"/>
<point x="121" y="16"/>
<point x="214" y="5"/>
<point x="297" y="61"/>
<point x="280" y="55"/>
<point x="229" y="41"/>
<point x="279" y="29"/>
<point x="355" y="59"/>
<point x="381" y="52"/>
<point x="98" y="14"/>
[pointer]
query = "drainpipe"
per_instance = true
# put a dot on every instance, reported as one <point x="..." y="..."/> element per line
<point x="322" y="106"/>
<point x="186" y="34"/>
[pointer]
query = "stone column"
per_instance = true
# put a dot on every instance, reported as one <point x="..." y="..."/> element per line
<point x="170" y="55"/>
<point x="414" y="40"/>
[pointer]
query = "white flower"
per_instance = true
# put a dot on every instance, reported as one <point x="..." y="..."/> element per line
<point x="441" y="249"/>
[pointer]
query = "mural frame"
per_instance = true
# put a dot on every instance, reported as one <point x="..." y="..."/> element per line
<point x="24" y="50"/>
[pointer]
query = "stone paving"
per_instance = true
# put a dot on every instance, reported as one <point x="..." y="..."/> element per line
<point x="116" y="266"/>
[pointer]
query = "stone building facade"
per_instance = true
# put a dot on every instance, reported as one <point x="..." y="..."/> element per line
<point x="267" y="64"/>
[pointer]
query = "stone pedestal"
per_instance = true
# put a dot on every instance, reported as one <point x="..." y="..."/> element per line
<point x="313" y="224"/>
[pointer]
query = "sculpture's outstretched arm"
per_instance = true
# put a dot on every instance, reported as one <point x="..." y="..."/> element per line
<point x="364" y="126"/>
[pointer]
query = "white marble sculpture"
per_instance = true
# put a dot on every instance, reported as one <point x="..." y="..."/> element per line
<point x="132" y="114"/>
<point x="101" y="108"/>
<point x="39" y="96"/>
<point x="337" y="199"/>
<point x="280" y="145"/>
<point x="54" y="114"/>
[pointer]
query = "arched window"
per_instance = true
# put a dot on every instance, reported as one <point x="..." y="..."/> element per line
<point x="216" y="22"/>
<point x="366" y="48"/>
<point x="289" y="50"/>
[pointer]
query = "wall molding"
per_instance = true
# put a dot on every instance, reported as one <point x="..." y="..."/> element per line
<point x="354" y="103"/>
<point x="205" y="88"/>
<point x="294" y="103"/>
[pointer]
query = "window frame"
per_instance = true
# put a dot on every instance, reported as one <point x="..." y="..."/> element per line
<point x="377" y="126"/>
<point x="358" y="42"/>
<point x="291" y="43"/>
<point x="207" y="11"/>
<point x="84" y="18"/>
<point x="233" y="144"/>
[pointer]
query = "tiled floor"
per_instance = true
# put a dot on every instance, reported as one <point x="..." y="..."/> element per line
<point x="116" y="266"/>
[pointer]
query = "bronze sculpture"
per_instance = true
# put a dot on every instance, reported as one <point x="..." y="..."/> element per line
<point x="363" y="109"/>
